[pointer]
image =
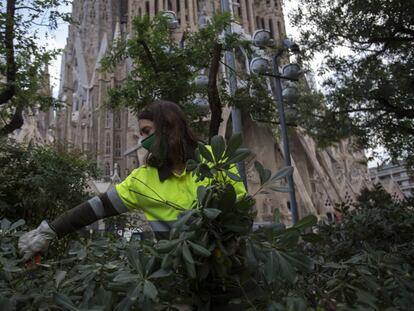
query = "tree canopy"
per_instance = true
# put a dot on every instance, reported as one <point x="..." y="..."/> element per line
<point x="23" y="59"/>
<point x="368" y="49"/>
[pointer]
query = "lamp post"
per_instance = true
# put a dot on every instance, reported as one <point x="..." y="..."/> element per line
<point x="259" y="65"/>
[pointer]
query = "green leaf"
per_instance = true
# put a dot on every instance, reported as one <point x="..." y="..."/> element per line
<point x="264" y="174"/>
<point x="201" y="193"/>
<point x="205" y="170"/>
<point x="18" y="223"/>
<point x="307" y="222"/>
<point x="164" y="246"/>
<point x="269" y="268"/>
<point x="191" y="165"/>
<point x="190" y="267"/>
<point x="150" y="290"/>
<point x="64" y="301"/>
<point x="239" y="155"/>
<point x="149" y="265"/>
<point x="187" y="254"/>
<point x="135" y="261"/>
<point x="228" y="198"/>
<point x="299" y="260"/>
<point x="125" y="277"/>
<point x="289" y="237"/>
<point x="5" y="224"/>
<point x="312" y="238"/>
<point x="211" y="213"/>
<point x="183" y="218"/>
<point x="286" y="171"/>
<point x="200" y="250"/>
<point x="218" y="145"/>
<point x="233" y="176"/>
<point x="285" y="267"/>
<point x="234" y="143"/>
<point x="129" y="299"/>
<point x="161" y="273"/>
<point x="250" y="258"/>
<point x="205" y="153"/>
<point x="167" y="262"/>
<point x="59" y="276"/>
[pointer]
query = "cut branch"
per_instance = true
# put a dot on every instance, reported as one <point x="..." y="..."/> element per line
<point x="149" y="55"/>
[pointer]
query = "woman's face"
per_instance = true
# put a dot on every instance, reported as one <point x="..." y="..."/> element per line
<point x="146" y="128"/>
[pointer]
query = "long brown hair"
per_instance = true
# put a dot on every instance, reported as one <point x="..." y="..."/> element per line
<point x="174" y="141"/>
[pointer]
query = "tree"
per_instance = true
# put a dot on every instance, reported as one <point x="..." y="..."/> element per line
<point x="368" y="49"/>
<point x="23" y="59"/>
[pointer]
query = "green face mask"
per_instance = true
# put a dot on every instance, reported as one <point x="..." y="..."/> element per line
<point x="147" y="142"/>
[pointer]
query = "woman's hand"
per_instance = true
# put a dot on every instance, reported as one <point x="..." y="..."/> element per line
<point x="36" y="241"/>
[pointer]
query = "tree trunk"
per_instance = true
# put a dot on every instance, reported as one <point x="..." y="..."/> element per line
<point x="213" y="93"/>
<point x="11" y="70"/>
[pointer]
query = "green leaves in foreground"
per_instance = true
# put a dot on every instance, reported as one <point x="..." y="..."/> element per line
<point x="218" y="157"/>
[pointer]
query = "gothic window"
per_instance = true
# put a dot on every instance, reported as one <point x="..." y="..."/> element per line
<point x="169" y="5"/>
<point x="330" y="218"/>
<point x="276" y="3"/>
<point x="147" y="9"/>
<point x="238" y="10"/>
<point x="117" y="119"/>
<point x="108" y="119"/>
<point x="271" y="27"/>
<point x="108" y="144"/>
<point x="156" y="6"/>
<point x="279" y="28"/>
<point x="117" y="146"/>
<point x="140" y="12"/>
<point x="75" y="85"/>
<point x="263" y="23"/>
<point x="107" y="169"/>
<point x="178" y="6"/>
<point x="76" y="105"/>
<point x="186" y="4"/>
<point x="257" y="22"/>
<point x="91" y="99"/>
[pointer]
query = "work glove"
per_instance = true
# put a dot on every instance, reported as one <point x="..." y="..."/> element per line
<point x="36" y="241"/>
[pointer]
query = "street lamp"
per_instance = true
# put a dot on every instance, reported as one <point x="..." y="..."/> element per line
<point x="263" y="38"/>
<point x="171" y="19"/>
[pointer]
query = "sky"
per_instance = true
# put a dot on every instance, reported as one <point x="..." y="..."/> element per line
<point x="57" y="39"/>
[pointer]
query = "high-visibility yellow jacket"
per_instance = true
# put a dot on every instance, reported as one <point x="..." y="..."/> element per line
<point x="142" y="189"/>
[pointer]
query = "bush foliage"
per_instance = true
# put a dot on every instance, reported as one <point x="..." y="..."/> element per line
<point x="39" y="182"/>
<point x="212" y="257"/>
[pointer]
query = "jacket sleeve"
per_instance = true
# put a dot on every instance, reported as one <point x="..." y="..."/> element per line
<point x="99" y="207"/>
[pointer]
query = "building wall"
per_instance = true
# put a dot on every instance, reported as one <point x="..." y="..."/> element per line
<point x="393" y="174"/>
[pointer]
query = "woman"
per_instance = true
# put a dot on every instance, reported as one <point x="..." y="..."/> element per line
<point x="161" y="188"/>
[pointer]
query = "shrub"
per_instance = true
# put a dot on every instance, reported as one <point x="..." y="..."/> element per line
<point x="40" y="182"/>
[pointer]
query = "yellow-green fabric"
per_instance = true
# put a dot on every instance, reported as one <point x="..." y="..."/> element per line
<point x="142" y="189"/>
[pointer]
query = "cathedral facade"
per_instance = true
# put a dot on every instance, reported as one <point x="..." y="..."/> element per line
<point x="322" y="177"/>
